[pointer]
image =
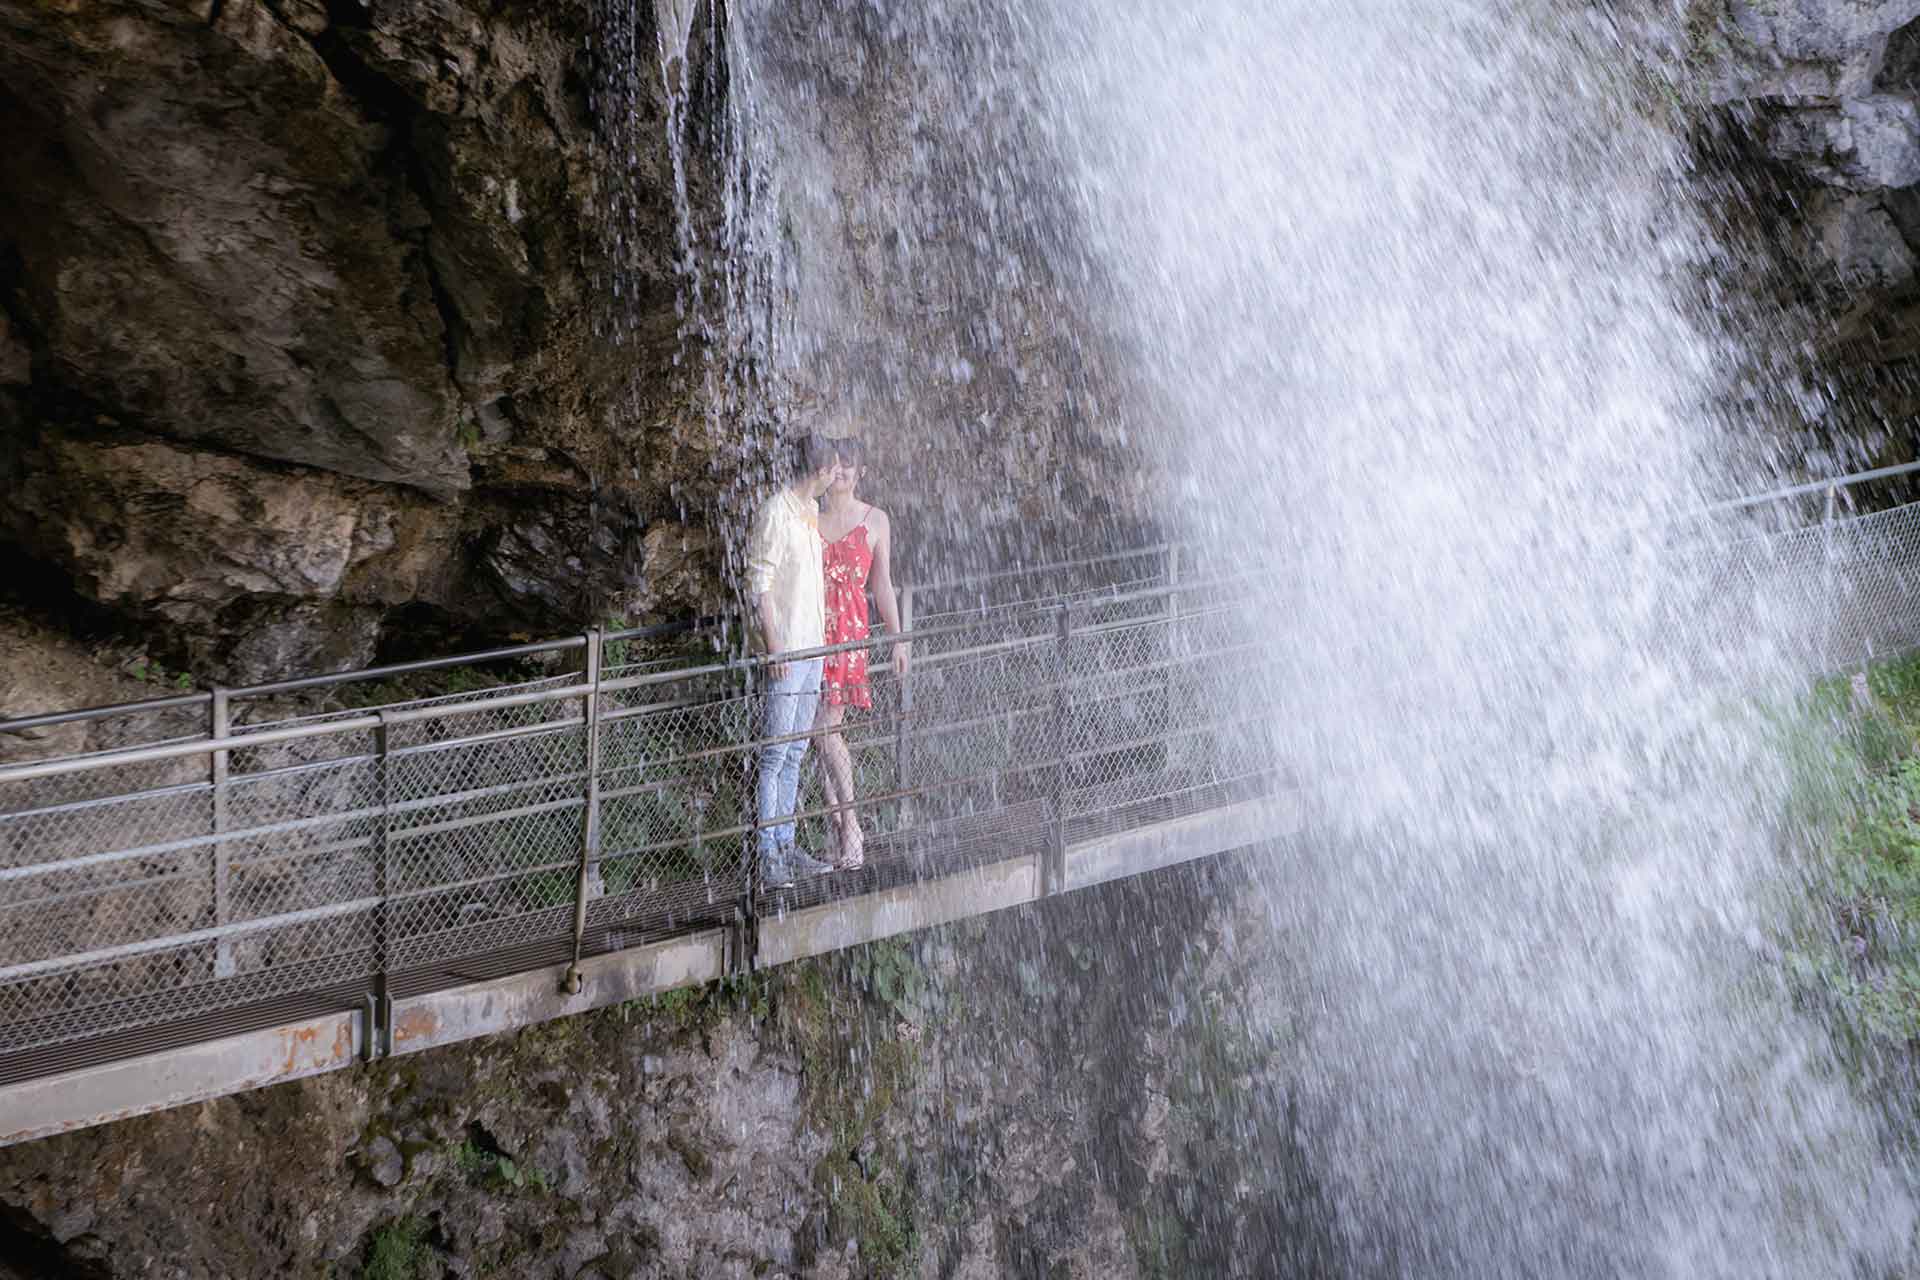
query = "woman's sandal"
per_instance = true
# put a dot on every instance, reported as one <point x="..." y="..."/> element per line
<point x="850" y="855"/>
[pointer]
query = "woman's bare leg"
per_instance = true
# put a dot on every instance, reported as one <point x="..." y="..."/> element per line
<point x="836" y="778"/>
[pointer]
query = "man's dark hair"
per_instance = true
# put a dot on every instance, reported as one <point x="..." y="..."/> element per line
<point x="850" y="451"/>
<point x="812" y="453"/>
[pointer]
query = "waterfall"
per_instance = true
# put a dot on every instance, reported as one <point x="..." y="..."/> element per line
<point x="1400" y="305"/>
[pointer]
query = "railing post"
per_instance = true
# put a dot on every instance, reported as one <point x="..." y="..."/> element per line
<point x="380" y="1002"/>
<point x="587" y="883"/>
<point x="1827" y="602"/>
<point x="746" y="913"/>
<point x="905" y="713"/>
<point x="219" y="721"/>
<point x="1053" y="873"/>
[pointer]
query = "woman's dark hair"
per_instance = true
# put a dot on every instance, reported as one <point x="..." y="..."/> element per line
<point x="812" y="453"/>
<point x="850" y="451"/>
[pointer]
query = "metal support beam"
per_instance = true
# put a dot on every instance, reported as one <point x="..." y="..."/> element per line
<point x="218" y="725"/>
<point x="379" y="1004"/>
<point x="1053" y="869"/>
<point x="905" y="714"/>
<point x="587" y="883"/>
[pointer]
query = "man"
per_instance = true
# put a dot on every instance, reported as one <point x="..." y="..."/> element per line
<point x="786" y="586"/>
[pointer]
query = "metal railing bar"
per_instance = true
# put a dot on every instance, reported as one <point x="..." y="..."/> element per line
<point x="43" y="719"/>
<point x="441" y="799"/>
<point x="133" y="950"/>
<point x="988" y="612"/>
<point x="237" y="783"/>
<point x="1164" y="738"/>
<point x="1806" y="488"/>
<point x="492" y="877"/>
<point x="414" y="715"/>
<point x="84" y="861"/>
<point x="482" y="819"/>
<point x="181" y="750"/>
<point x="273" y="737"/>
<point x="560" y="645"/>
<point x="677" y="704"/>
<point x="800" y="815"/>
<point x="194" y="871"/>
<point x="171" y="790"/>
<point x="674" y="626"/>
<point x="537" y="729"/>
<point x="645" y="788"/>
<point x="676" y="676"/>
<point x="1084" y="680"/>
<point x="442" y="700"/>
<point x="998" y="575"/>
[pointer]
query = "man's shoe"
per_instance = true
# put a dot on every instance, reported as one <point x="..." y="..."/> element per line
<point x="776" y="871"/>
<point x="800" y="863"/>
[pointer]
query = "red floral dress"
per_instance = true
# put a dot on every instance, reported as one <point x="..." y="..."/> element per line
<point x="843" y="677"/>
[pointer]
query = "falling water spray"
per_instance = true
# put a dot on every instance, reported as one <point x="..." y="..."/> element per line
<point x="1399" y="305"/>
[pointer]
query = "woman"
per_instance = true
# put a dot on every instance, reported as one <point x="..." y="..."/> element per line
<point x="859" y="545"/>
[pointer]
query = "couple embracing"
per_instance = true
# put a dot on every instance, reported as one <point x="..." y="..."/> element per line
<point x="815" y="547"/>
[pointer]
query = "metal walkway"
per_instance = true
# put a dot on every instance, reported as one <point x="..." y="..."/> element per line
<point x="252" y="885"/>
<point x="341" y="867"/>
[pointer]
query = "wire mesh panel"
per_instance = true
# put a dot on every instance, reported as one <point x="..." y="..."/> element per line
<point x="158" y="904"/>
<point x="321" y="847"/>
<point x="674" y="796"/>
<point x="1040" y="587"/>
<point x="485" y="826"/>
<point x="1875" y="581"/>
<point x="1166" y="706"/>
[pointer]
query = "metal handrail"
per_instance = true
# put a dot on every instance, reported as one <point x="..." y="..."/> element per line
<point x="1039" y="726"/>
<point x="1810" y="487"/>
<point x="563" y="644"/>
<point x="250" y="739"/>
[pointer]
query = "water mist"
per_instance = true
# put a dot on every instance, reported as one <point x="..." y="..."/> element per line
<point x="1402" y="300"/>
<point x="1416" y="282"/>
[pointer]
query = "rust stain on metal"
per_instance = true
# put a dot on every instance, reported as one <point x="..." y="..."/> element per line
<point x="293" y="1038"/>
<point x="306" y="1053"/>
<point x="418" y="1023"/>
<point x="296" y="1051"/>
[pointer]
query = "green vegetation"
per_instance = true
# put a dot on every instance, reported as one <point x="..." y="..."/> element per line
<point x="859" y="1061"/>
<point x="396" y="1250"/>
<point x="146" y="669"/>
<point x="888" y="971"/>
<point x="496" y="1171"/>
<point x="1861" y="957"/>
<point x="698" y="1007"/>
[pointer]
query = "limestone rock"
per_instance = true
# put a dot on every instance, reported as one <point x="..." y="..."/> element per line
<point x="1801" y="49"/>
<point x="1862" y="144"/>
<point x="263" y="567"/>
<point x="383" y="1162"/>
<point x="1860" y="242"/>
<point x="287" y="245"/>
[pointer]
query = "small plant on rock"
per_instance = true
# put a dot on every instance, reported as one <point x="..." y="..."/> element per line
<point x="396" y="1250"/>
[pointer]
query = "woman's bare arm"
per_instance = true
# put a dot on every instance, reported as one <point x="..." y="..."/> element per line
<point x="884" y="597"/>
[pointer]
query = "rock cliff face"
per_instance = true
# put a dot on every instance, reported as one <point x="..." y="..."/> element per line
<point x="294" y="316"/>
<point x="308" y="308"/>
<point x="1823" y="100"/>
<point x="1011" y="1097"/>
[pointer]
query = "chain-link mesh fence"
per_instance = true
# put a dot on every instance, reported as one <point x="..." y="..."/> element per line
<point x="414" y="834"/>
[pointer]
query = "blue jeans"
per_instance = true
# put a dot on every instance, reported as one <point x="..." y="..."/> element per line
<point x="790" y="707"/>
